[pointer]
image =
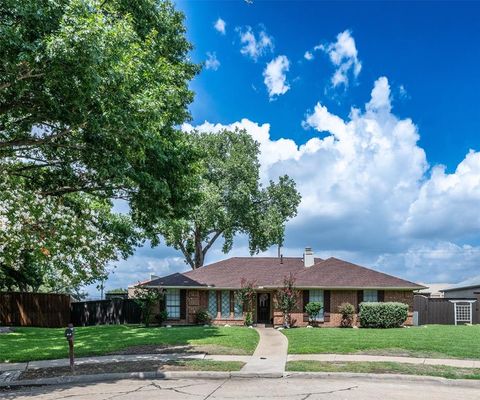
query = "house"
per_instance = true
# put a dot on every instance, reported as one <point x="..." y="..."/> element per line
<point x="432" y="290"/>
<point x="331" y="281"/>
<point x="468" y="289"/>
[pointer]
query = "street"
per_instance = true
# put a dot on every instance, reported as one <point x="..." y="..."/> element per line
<point x="250" y="388"/>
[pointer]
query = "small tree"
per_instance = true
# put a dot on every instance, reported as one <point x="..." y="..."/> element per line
<point x="286" y="299"/>
<point x="246" y="297"/>
<point x="348" y="311"/>
<point x="146" y="298"/>
<point x="313" y="309"/>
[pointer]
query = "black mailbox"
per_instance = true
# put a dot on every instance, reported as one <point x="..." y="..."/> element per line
<point x="69" y="332"/>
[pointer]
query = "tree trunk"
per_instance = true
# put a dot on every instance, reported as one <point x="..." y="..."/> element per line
<point x="199" y="259"/>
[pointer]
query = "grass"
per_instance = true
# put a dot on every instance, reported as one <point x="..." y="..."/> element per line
<point x="28" y="344"/>
<point x="134" y="366"/>
<point x="434" y="341"/>
<point x="385" y="368"/>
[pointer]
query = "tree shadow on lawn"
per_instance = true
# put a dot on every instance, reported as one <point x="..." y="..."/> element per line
<point x="30" y="344"/>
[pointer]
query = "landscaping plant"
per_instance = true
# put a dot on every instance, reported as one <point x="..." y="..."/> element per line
<point x="246" y="297"/>
<point x="203" y="317"/>
<point x="146" y="298"/>
<point x="383" y="315"/>
<point x="286" y="299"/>
<point x="313" y="309"/>
<point x="348" y="311"/>
<point x="161" y="317"/>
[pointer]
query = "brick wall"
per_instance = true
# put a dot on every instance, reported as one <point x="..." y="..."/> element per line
<point x="337" y="297"/>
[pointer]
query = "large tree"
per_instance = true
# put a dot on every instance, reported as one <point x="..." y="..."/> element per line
<point x="91" y="92"/>
<point x="232" y="200"/>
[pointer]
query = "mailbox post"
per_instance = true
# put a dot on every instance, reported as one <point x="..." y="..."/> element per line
<point x="69" y="335"/>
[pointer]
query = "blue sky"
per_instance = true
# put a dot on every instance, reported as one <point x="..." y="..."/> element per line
<point x="376" y="126"/>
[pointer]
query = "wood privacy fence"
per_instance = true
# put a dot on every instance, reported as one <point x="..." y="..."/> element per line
<point x="440" y="311"/>
<point x="100" y="312"/>
<point x="34" y="309"/>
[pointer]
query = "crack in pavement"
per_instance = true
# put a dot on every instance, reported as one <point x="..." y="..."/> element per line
<point x="213" y="391"/>
<point x="176" y="388"/>
<point x="306" y="395"/>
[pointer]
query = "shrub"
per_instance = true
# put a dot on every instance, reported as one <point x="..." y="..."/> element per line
<point x="383" y="315"/>
<point x="203" y="317"/>
<point x="248" y="318"/>
<point x="161" y="317"/>
<point x="146" y="298"/>
<point x="348" y="311"/>
<point x="313" y="309"/>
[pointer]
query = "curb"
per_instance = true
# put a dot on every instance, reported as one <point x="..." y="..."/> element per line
<point x="172" y="375"/>
<point x="61" y="380"/>
<point x="385" y="377"/>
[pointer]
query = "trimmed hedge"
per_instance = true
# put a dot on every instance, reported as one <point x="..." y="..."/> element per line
<point x="382" y="315"/>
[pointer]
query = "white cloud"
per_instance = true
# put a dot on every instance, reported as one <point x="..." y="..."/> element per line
<point x="369" y="194"/>
<point x="220" y="26"/>
<point x="212" y="61"/>
<point x="255" y="46"/>
<point x="275" y="76"/>
<point x="308" y="56"/>
<point x="344" y="56"/>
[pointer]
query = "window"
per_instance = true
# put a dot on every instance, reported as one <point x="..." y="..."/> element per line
<point x="225" y="303"/>
<point x="212" y="303"/>
<point x="173" y="303"/>
<point x="316" y="295"/>
<point x="237" y="309"/>
<point x="370" y="296"/>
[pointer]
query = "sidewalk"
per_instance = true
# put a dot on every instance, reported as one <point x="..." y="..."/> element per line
<point x="270" y="355"/>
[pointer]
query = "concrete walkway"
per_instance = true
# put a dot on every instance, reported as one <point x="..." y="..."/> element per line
<point x="270" y="355"/>
<point x="367" y="358"/>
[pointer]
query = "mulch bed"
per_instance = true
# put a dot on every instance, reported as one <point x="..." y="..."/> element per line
<point x="92" y="369"/>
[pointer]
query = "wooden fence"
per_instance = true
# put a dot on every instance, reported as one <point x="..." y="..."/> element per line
<point x="440" y="311"/>
<point x="34" y="309"/>
<point x="100" y="312"/>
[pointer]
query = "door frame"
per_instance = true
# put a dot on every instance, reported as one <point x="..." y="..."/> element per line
<point x="268" y="320"/>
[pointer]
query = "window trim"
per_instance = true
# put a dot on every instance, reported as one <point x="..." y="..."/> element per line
<point x="170" y="293"/>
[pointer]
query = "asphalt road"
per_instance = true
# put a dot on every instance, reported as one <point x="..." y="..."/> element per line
<point x="249" y="388"/>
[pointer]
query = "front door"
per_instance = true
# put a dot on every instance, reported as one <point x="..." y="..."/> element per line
<point x="263" y="308"/>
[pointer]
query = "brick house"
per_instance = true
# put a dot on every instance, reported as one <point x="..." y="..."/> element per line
<point x="331" y="281"/>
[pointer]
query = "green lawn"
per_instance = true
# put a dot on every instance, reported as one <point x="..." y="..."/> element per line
<point x="28" y="344"/>
<point x="385" y="368"/>
<point x="433" y="341"/>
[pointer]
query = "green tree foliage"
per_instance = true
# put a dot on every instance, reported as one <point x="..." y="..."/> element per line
<point x="286" y="299"/>
<point x="90" y="94"/>
<point x="232" y="200"/>
<point x="146" y="298"/>
<point x="246" y="297"/>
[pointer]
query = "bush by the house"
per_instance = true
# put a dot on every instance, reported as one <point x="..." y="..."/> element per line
<point x="348" y="311"/>
<point x="383" y="315"/>
<point x="313" y="309"/>
<point x="161" y="317"/>
<point x="203" y="317"/>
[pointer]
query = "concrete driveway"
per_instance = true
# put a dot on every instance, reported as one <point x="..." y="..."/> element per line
<point x="251" y="388"/>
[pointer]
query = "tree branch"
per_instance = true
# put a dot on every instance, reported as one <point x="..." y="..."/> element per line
<point x="187" y="255"/>
<point x="210" y="243"/>
<point x="28" y="75"/>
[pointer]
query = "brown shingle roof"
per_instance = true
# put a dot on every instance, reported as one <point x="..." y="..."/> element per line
<point x="269" y="272"/>
<point x="335" y="273"/>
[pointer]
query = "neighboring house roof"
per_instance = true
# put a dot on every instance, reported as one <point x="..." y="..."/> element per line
<point x="432" y="289"/>
<point x="471" y="283"/>
<point x="270" y="272"/>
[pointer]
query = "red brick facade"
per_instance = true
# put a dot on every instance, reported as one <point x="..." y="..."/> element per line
<point x="198" y="299"/>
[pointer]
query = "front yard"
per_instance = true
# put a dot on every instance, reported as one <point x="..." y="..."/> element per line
<point x="385" y="368"/>
<point x="434" y="341"/>
<point x="29" y="344"/>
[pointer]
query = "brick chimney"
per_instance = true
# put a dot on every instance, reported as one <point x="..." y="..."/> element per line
<point x="308" y="259"/>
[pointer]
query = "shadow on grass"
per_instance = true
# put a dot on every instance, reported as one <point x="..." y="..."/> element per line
<point x="28" y="344"/>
